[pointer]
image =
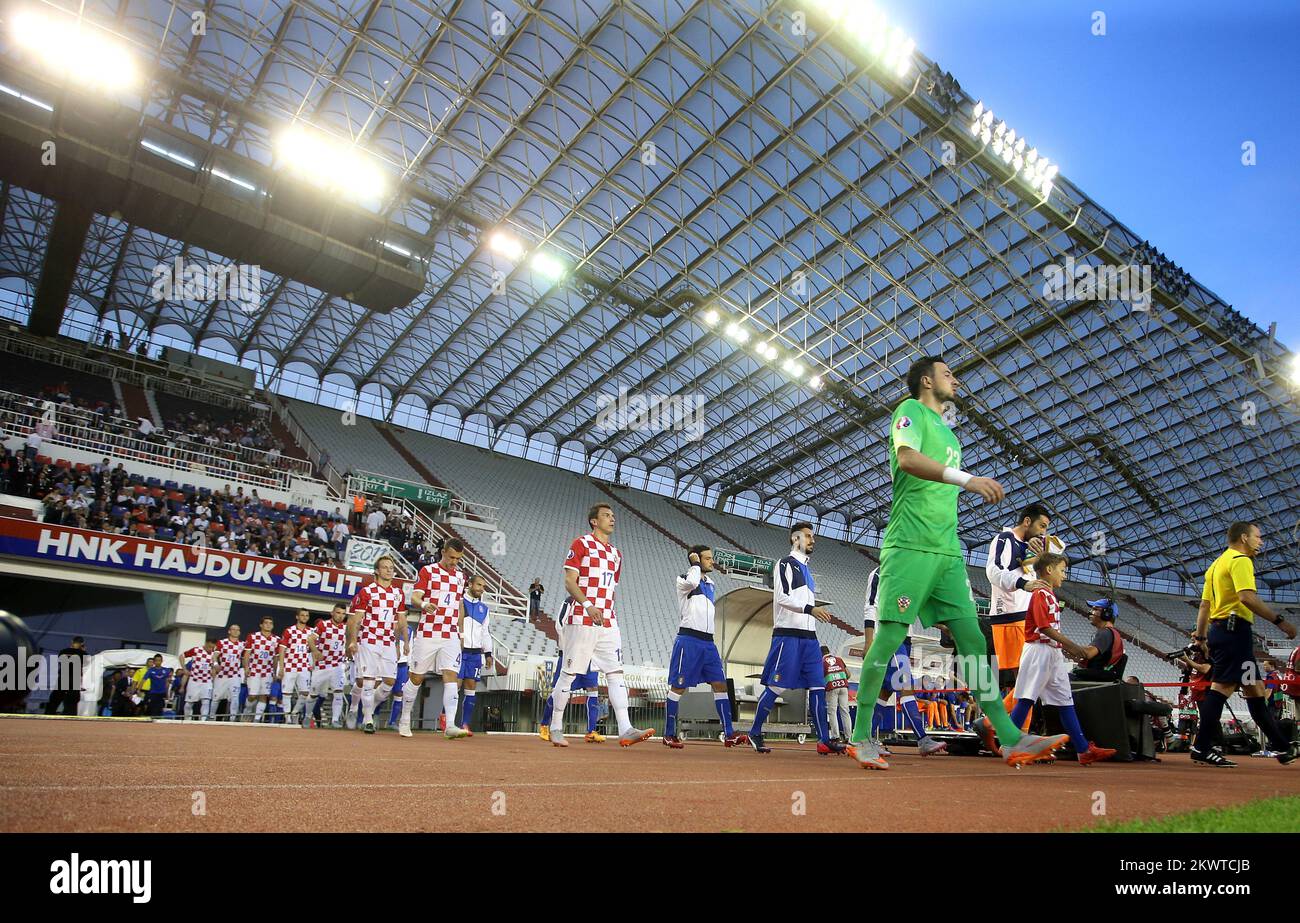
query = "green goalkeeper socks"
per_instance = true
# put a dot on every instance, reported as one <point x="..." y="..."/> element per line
<point x="889" y="637"/>
<point x="978" y="674"/>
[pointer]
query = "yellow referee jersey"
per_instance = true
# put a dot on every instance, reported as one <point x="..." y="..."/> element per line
<point x="1230" y="573"/>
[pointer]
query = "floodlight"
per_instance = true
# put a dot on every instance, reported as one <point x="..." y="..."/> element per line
<point x="77" y="49"/>
<point x="547" y="265"/>
<point x="738" y="333"/>
<point x="507" y="244"/>
<point x="337" y="166"/>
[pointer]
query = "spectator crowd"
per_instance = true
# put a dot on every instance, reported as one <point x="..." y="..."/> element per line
<point x="220" y="439"/>
<point x="105" y="497"/>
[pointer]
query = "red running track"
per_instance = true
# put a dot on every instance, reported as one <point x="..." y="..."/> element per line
<point x="70" y="775"/>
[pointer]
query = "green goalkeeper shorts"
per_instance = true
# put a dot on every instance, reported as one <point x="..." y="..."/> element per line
<point x="919" y="584"/>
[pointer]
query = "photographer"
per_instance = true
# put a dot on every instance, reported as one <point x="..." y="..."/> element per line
<point x="1196" y="672"/>
<point x="1225" y="623"/>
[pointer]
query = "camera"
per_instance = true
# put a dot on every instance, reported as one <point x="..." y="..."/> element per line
<point x="1191" y="650"/>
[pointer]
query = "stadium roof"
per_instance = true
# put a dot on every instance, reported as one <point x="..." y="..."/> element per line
<point x="815" y="182"/>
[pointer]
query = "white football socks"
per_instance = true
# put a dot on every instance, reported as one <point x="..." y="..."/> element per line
<point x="450" y="698"/>
<point x="618" y="700"/>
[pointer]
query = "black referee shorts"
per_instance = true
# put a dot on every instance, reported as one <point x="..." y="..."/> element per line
<point x="1232" y="653"/>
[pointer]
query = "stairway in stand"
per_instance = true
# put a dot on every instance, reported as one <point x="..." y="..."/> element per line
<point x="136" y="404"/>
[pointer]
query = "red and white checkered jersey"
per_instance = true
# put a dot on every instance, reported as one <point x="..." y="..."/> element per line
<point x="598" y="566"/>
<point x="443" y="590"/>
<point x="230" y="659"/>
<point x="297" y="653"/>
<point x="379" y="607"/>
<point x="261" y="653"/>
<point x="200" y="660"/>
<point x="331" y="641"/>
<point x="1044" y="612"/>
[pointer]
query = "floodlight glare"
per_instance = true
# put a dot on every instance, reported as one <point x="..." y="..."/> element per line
<point x="547" y="265"/>
<point x="815" y="382"/>
<point x="336" y="166"/>
<point x="889" y="45"/>
<point x="793" y="368"/>
<point x="710" y="317"/>
<point x="76" y="49"/>
<point x="506" y="244"/>
<point x="736" y="332"/>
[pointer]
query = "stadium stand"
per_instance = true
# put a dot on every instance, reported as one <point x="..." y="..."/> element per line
<point x="114" y="500"/>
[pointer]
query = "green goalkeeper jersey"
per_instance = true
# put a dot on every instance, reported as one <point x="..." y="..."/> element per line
<point x="923" y="515"/>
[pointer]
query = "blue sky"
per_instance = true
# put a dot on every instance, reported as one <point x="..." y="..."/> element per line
<point x="1149" y="120"/>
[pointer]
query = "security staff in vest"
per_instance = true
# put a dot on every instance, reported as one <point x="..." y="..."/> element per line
<point x="1225" y="624"/>
<point x="1101" y="663"/>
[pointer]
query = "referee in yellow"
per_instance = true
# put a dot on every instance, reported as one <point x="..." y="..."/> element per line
<point x="1225" y="626"/>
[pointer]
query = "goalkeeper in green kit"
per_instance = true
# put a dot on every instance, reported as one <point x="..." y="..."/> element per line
<point x="922" y="573"/>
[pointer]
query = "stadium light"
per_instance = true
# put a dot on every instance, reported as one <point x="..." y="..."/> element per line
<point x="337" y="166"/>
<point x="170" y="155"/>
<point x="508" y="245"/>
<point x="235" y="180"/>
<point x="869" y="25"/>
<point x="710" y="317"/>
<point x="1031" y="167"/>
<point x="767" y="350"/>
<point x="76" y="49"/>
<point x="18" y="94"/>
<point x="547" y="265"/>
<point x="736" y="332"/>
<point x="793" y="368"/>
